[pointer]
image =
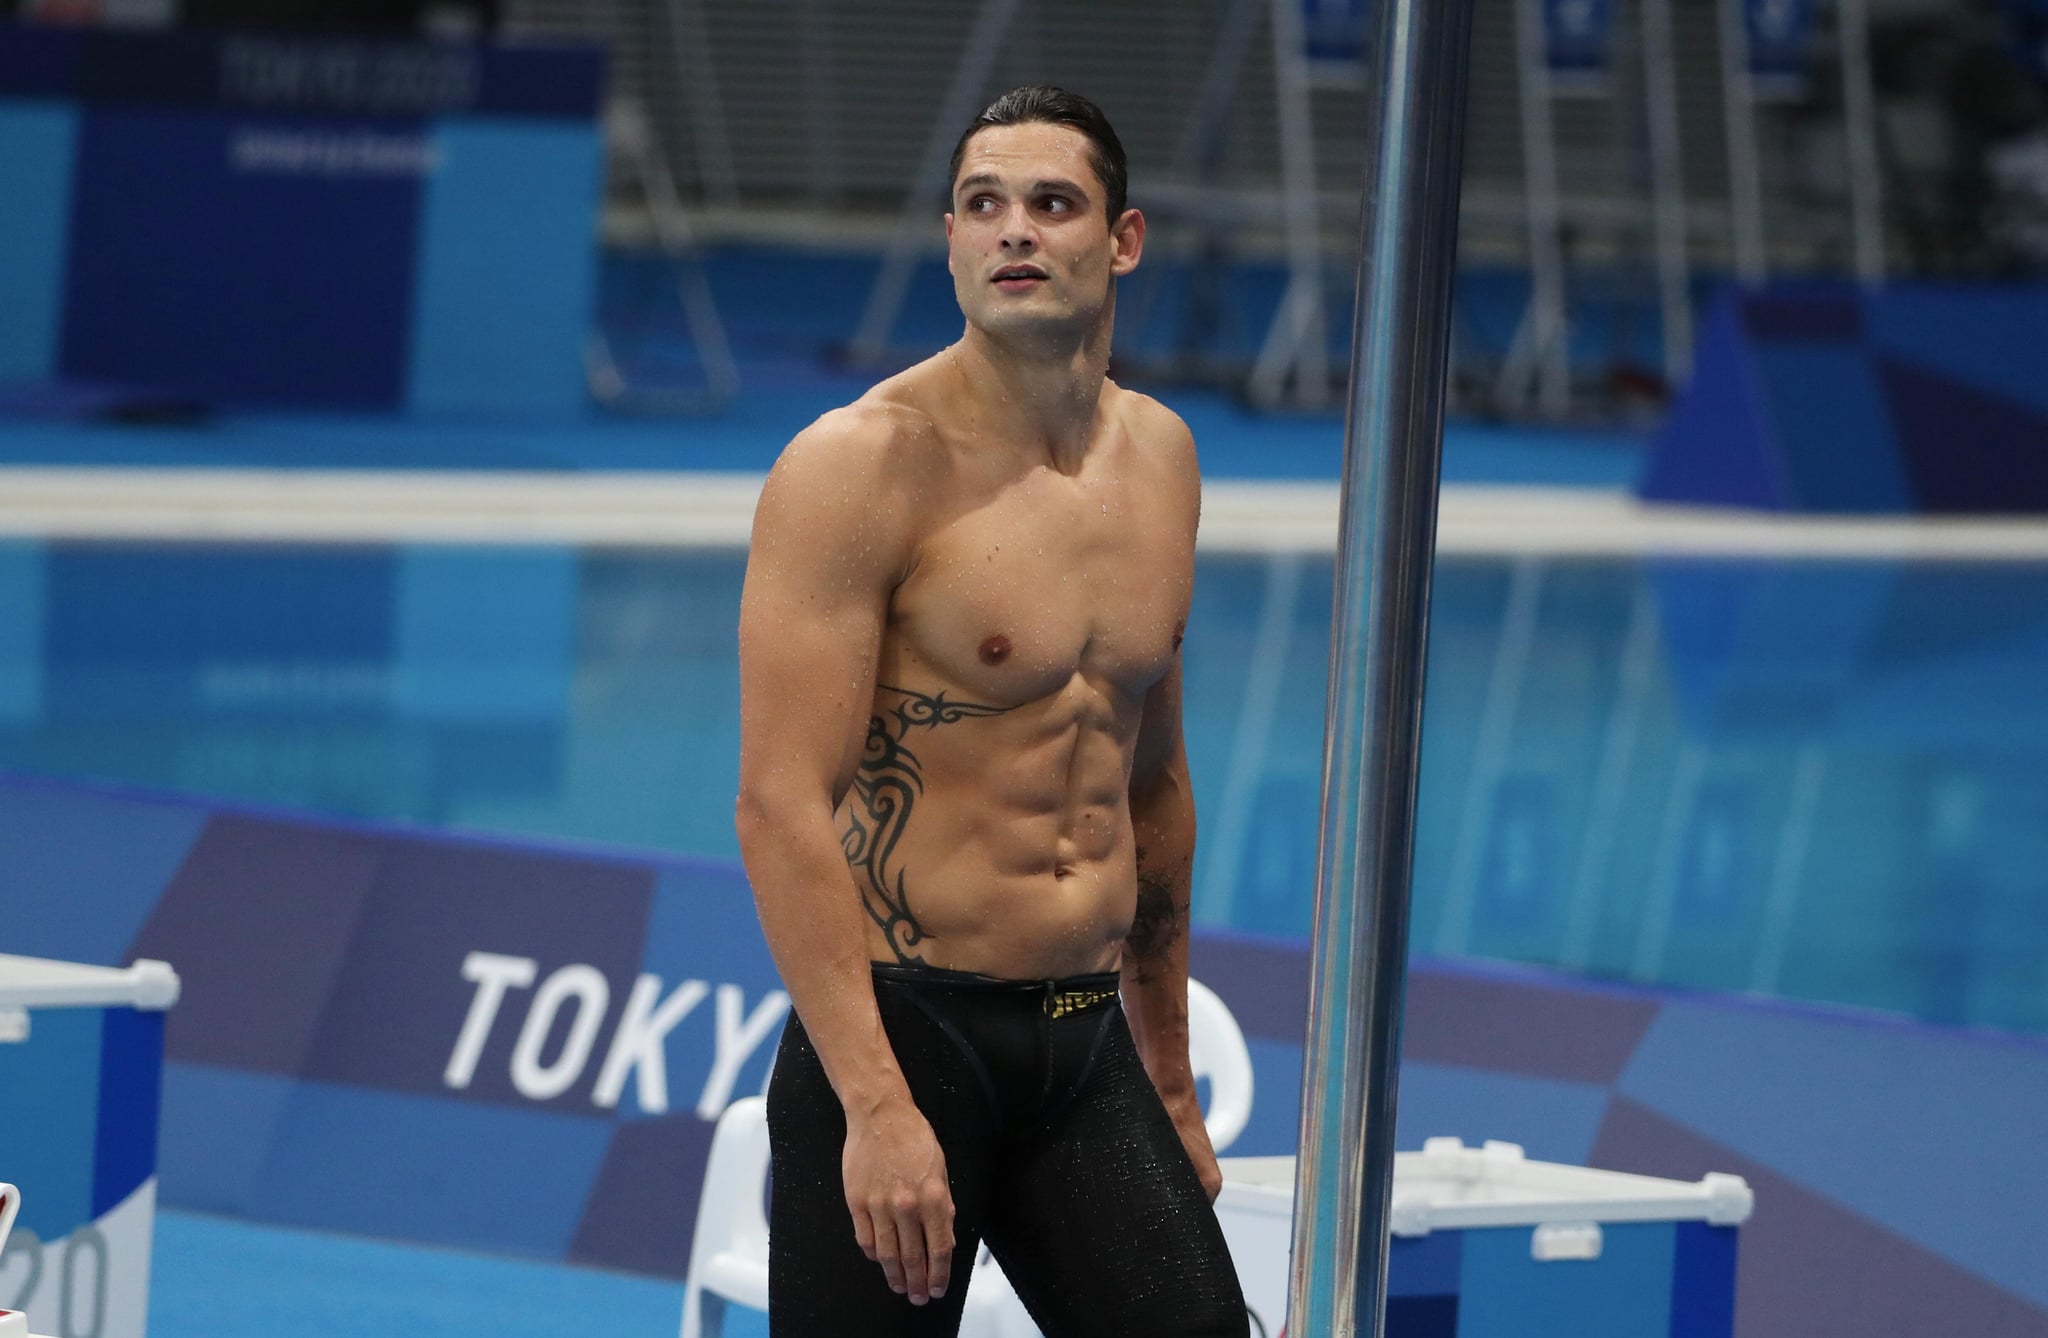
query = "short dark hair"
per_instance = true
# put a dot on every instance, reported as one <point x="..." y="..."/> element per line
<point x="1033" y="103"/>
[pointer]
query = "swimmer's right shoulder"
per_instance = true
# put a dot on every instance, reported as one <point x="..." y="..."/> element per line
<point x="877" y="437"/>
<point x="858" y="478"/>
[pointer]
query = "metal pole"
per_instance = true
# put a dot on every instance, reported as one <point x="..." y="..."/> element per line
<point x="1393" y="446"/>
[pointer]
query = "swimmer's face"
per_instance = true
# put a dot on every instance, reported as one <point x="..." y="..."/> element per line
<point x="1029" y="242"/>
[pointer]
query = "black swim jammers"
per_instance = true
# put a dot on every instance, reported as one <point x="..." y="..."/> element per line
<point x="1060" y="1155"/>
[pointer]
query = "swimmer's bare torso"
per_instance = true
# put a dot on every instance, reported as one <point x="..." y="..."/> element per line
<point x="985" y="817"/>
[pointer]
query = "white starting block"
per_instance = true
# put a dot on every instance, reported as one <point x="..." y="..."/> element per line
<point x="81" y="1067"/>
<point x="1474" y="1227"/>
<point x="13" y="1324"/>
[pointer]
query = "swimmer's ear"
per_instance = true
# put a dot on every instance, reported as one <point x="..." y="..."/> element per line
<point x="949" y="239"/>
<point x="1127" y="235"/>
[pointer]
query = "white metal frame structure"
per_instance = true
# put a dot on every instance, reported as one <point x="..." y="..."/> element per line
<point x="1237" y="159"/>
<point x="1741" y="93"/>
<point x="1667" y="187"/>
<point x="641" y="150"/>
<point x="1536" y="375"/>
<point x="1745" y="171"/>
<point x="870" y="345"/>
<point x="1541" y="349"/>
<point x="1292" y="365"/>
<point x="1859" y="126"/>
<point x="1295" y="350"/>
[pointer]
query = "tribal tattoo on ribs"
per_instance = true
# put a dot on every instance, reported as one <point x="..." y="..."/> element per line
<point x="886" y="786"/>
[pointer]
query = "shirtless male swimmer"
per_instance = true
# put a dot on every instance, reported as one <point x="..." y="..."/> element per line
<point x="964" y="802"/>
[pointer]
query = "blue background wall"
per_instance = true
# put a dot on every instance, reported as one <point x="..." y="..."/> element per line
<point x="250" y="219"/>
<point x="1824" y="397"/>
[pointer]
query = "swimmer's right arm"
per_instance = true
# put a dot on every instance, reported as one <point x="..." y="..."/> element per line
<point x="831" y="540"/>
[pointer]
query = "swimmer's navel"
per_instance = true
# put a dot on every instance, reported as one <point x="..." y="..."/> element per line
<point x="995" y="650"/>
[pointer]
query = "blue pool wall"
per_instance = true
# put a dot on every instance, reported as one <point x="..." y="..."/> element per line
<point x="315" y="1075"/>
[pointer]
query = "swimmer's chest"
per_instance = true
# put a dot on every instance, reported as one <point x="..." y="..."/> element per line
<point x="1016" y="597"/>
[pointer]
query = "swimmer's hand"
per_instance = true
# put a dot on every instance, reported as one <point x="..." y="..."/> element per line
<point x="902" y="1206"/>
<point x="1194" y="1136"/>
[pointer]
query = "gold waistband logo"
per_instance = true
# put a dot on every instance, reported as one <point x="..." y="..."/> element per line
<point x="1063" y="1002"/>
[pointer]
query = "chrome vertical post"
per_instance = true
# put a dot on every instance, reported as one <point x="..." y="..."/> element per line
<point x="1386" y="536"/>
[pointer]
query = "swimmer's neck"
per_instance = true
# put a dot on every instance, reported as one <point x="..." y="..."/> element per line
<point x="1042" y="397"/>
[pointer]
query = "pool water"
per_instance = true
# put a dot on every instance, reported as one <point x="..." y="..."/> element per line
<point x="1815" y="779"/>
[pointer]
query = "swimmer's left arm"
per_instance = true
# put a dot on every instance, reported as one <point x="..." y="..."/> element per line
<point x="1155" y="963"/>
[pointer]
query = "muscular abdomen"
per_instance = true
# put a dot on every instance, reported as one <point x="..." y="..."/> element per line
<point x="994" y="838"/>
